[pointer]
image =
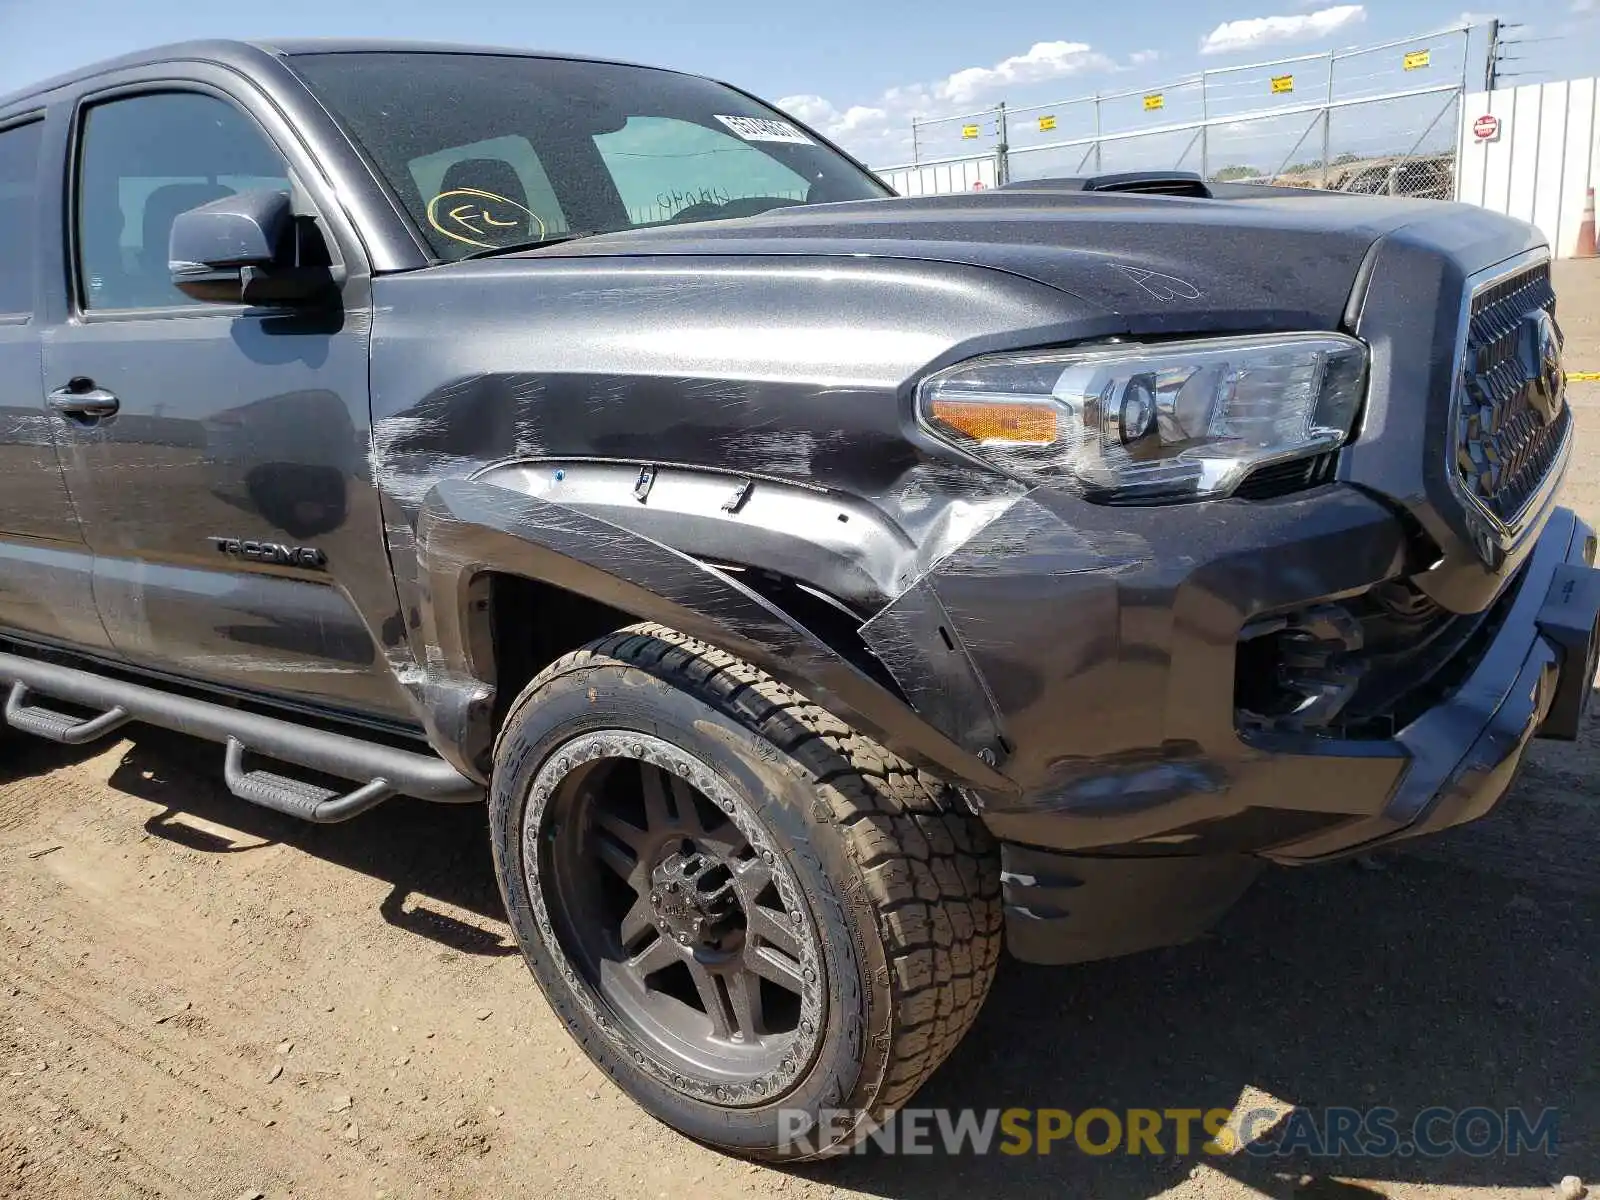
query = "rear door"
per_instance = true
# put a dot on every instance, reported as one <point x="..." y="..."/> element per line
<point x="223" y="432"/>
<point x="45" y="568"/>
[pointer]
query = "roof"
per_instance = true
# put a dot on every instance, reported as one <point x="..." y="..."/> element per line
<point x="244" y="54"/>
<point x="290" y="46"/>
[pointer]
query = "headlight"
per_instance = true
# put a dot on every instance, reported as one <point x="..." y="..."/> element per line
<point x="1153" y="422"/>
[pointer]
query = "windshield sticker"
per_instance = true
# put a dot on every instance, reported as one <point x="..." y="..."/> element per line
<point x="761" y="129"/>
<point x="475" y="217"/>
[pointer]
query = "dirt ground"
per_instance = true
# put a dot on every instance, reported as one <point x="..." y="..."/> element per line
<point x="202" y="999"/>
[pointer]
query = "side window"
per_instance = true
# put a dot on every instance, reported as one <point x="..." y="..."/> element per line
<point x="144" y="160"/>
<point x="19" y="186"/>
<point x="488" y="194"/>
<point x="663" y="167"/>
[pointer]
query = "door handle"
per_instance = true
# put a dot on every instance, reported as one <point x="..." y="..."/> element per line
<point x="80" y="398"/>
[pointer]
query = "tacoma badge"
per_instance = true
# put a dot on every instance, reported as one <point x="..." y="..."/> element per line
<point x="271" y="552"/>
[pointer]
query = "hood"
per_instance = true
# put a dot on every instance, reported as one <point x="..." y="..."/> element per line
<point x="1164" y="263"/>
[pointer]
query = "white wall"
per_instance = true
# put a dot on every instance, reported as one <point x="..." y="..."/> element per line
<point x="1543" y="163"/>
<point x="964" y="175"/>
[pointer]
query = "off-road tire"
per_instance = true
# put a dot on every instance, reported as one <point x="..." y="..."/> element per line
<point x="901" y="880"/>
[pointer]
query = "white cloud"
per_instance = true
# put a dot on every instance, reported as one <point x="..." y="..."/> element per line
<point x="1482" y="18"/>
<point x="1252" y="32"/>
<point x="1143" y="58"/>
<point x="1043" y="61"/>
<point x="860" y="116"/>
<point x="1582" y="6"/>
<point x="881" y="131"/>
<point x="820" y="113"/>
<point x="811" y="110"/>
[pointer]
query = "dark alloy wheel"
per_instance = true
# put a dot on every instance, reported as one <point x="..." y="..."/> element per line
<point x="764" y="926"/>
<point x="675" y="913"/>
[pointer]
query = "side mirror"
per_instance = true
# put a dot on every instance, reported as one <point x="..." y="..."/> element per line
<point x="241" y="249"/>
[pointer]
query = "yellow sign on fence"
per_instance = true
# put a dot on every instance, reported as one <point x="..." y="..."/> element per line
<point x="1154" y="101"/>
<point x="1282" y="83"/>
<point x="1416" y="60"/>
<point x="1046" y="124"/>
<point x="969" y="131"/>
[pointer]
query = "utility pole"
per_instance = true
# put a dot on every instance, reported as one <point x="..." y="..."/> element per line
<point x="1498" y="43"/>
<point x="1002" y="151"/>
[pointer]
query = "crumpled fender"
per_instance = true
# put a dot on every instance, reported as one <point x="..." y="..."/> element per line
<point x="465" y="528"/>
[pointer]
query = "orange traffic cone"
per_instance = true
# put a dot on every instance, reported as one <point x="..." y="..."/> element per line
<point x="1586" y="230"/>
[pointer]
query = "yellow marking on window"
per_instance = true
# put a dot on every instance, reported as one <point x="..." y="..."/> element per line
<point x="482" y="201"/>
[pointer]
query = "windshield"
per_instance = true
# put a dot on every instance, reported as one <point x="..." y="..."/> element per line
<point x="491" y="151"/>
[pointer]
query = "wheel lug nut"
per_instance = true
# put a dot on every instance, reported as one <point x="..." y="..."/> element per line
<point x="655" y="898"/>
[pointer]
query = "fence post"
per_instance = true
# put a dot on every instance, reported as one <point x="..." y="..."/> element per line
<point x="1461" y="115"/>
<point x="915" y="156"/>
<point x="1002" y="152"/>
<point x="1205" y="130"/>
<point x="1099" y="164"/>
<point x="1327" y="123"/>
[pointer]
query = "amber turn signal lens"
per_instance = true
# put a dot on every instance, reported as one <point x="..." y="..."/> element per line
<point x="989" y="422"/>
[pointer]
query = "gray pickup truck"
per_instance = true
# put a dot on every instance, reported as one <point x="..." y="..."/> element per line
<point x="821" y="587"/>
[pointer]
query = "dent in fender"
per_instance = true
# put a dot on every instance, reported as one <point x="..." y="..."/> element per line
<point x="465" y="528"/>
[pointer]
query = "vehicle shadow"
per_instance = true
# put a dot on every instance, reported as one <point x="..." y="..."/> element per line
<point x="1419" y="980"/>
<point x="433" y="856"/>
<point x="1421" y="984"/>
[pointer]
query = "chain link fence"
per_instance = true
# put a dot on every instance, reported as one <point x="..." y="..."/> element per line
<point x="1378" y="119"/>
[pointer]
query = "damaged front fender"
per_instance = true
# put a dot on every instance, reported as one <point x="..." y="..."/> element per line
<point x="466" y="528"/>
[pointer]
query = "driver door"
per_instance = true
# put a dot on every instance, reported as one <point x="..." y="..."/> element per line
<point x="213" y="425"/>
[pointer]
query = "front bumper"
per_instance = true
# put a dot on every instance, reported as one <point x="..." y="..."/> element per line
<point x="1105" y="660"/>
<point x="1533" y="680"/>
<point x="1451" y="765"/>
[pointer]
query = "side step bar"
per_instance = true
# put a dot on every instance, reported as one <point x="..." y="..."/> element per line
<point x="296" y="797"/>
<point x="383" y="770"/>
<point x="58" y="727"/>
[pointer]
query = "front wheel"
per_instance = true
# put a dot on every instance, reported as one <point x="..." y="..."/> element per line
<point x="765" y="927"/>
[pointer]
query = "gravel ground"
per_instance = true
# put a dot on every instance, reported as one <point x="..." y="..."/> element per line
<point x="200" y="999"/>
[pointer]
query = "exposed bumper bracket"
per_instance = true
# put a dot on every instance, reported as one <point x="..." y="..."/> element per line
<point x="1568" y="618"/>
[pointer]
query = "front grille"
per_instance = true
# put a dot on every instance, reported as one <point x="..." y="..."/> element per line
<point x="1510" y="415"/>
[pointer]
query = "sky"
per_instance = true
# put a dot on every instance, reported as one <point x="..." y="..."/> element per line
<point x="859" y="70"/>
